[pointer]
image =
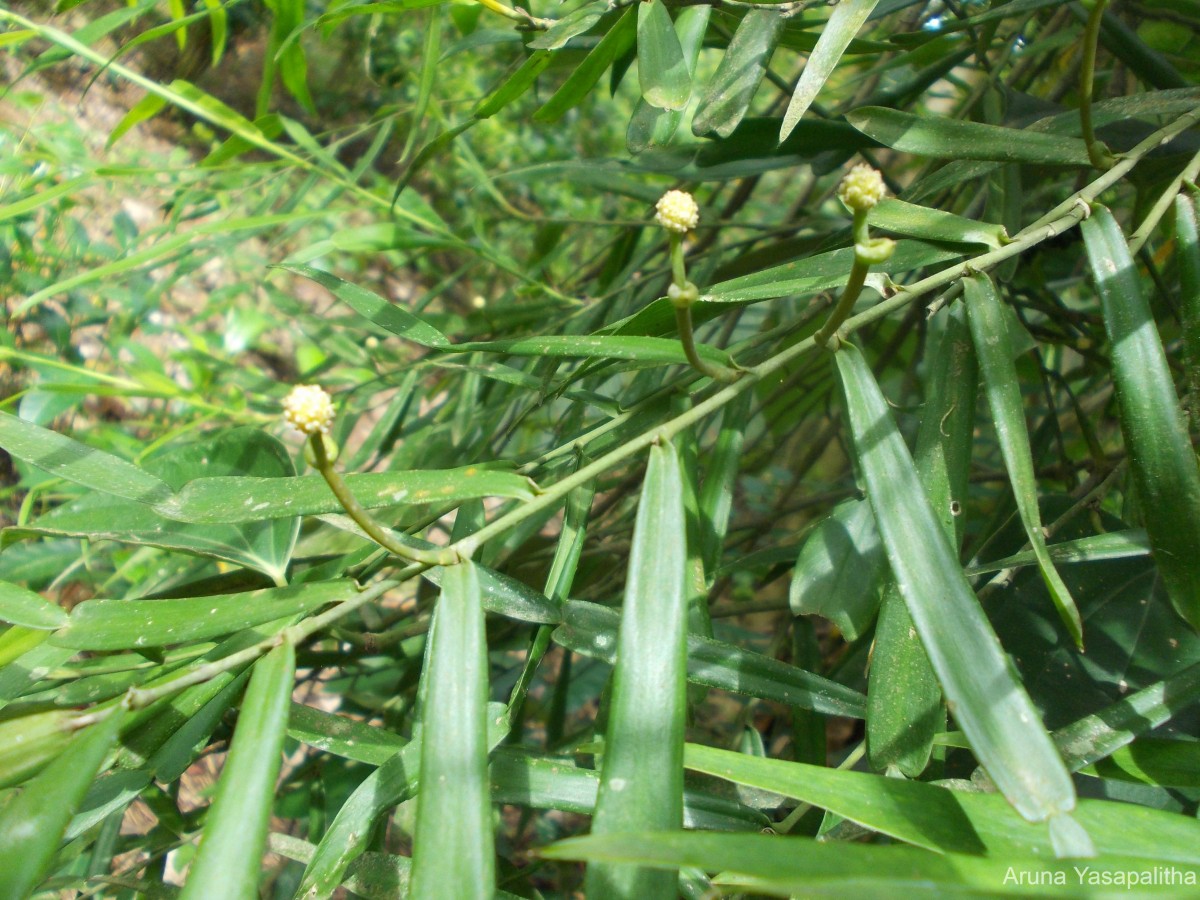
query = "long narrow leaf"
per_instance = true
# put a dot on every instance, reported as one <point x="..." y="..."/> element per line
<point x="453" y="855"/>
<point x="839" y="31"/>
<point x="663" y="72"/>
<point x="1160" y="456"/>
<point x="993" y="346"/>
<point x="982" y="689"/>
<point x="641" y="784"/>
<point x="904" y="698"/>
<point x="33" y="822"/>
<point x="229" y="859"/>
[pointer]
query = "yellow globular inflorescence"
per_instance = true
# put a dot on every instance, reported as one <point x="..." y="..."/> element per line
<point x="862" y="188"/>
<point x="677" y="211"/>
<point x="308" y="409"/>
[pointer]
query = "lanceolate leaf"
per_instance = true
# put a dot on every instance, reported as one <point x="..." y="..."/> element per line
<point x="620" y="37"/>
<point x="982" y="690"/>
<point x="61" y="456"/>
<point x="1161" y="458"/>
<point x="904" y="698"/>
<point x="839" y="573"/>
<point x="731" y="89"/>
<point x="123" y="624"/>
<point x="945" y="138"/>
<point x="590" y="629"/>
<point x="262" y="545"/>
<point x="33" y="822"/>
<point x="641" y="784"/>
<point x="845" y="21"/>
<point x="229" y="859"/>
<point x="244" y="499"/>
<point x="395" y="781"/>
<point x="916" y="813"/>
<point x="993" y="347"/>
<point x="453" y="853"/>
<point x="1187" y="235"/>
<point x="785" y="867"/>
<point x="653" y="127"/>
<point x="19" y="606"/>
<point x="664" y="74"/>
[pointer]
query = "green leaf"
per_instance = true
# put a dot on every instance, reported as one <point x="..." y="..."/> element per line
<point x="123" y="624"/>
<point x="823" y="272"/>
<point x="453" y="853"/>
<point x="515" y="85"/>
<point x="146" y="108"/>
<point x="664" y="74"/>
<point x="739" y="74"/>
<point x="1094" y="548"/>
<point x="590" y="629"/>
<point x="635" y="348"/>
<point x="375" y="876"/>
<point x="573" y="23"/>
<point x="265" y="546"/>
<point x="229" y="858"/>
<point x="539" y="782"/>
<point x="371" y="306"/>
<point x="342" y="735"/>
<point x="844" y="22"/>
<point x="1153" y="761"/>
<point x="783" y="867"/>
<point x="350" y="833"/>
<point x="840" y="571"/>
<point x="1187" y="237"/>
<point x="910" y="220"/>
<point x="653" y="127"/>
<point x="32" y="823"/>
<point x="65" y="458"/>
<point x="920" y="814"/>
<point x="941" y="137"/>
<point x="993" y="347"/>
<point x="615" y="43"/>
<point x="242" y="499"/>
<point x="641" y="780"/>
<point x="20" y="606"/>
<point x="1096" y="736"/>
<point x="1161" y="457"/>
<point x="28" y="743"/>
<point x="720" y="481"/>
<point x="904" y="698"/>
<point x="982" y="690"/>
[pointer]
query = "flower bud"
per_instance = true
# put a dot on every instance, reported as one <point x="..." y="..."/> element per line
<point x="308" y="409"/>
<point x="862" y="188"/>
<point x="677" y="211"/>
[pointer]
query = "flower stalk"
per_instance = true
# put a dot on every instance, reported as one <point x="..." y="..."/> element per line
<point x="309" y="410"/>
<point x="678" y="213"/>
<point x="1098" y="153"/>
<point x="861" y="190"/>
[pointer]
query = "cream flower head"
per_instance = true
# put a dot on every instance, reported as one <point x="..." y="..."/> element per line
<point x="862" y="188"/>
<point x="308" y="409"/>
<point x="677" y="211"/>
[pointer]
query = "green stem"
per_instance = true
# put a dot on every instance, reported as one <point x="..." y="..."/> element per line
<point x="1063" y="218"/>
<point x="683" y="318"/>
<point x="1098" y="153"/>
<point x="845" y="304"/>
<point x="678" y="270"/>
<point x="447" y="557"/>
